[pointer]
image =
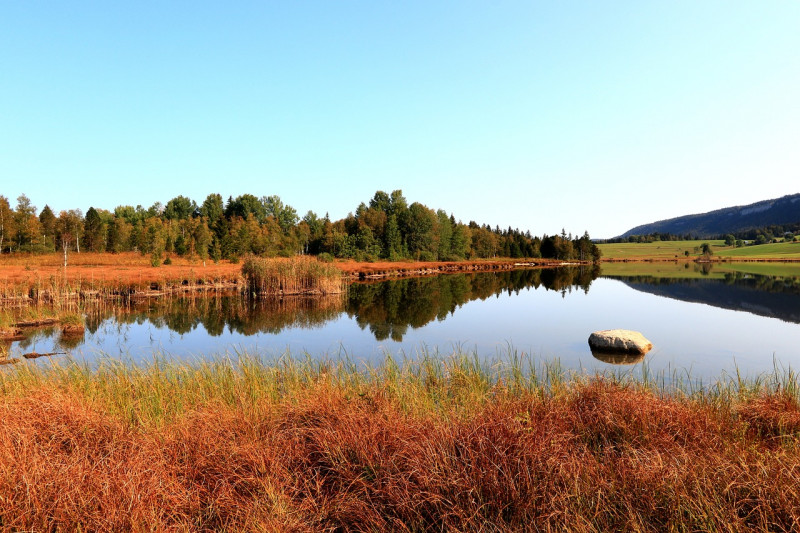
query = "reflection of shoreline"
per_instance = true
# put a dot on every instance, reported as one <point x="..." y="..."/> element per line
<point x="387" y="309"/>
<point x="768" y="296"/>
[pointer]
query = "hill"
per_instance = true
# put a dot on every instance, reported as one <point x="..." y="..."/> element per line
<point x="785" y="210"/>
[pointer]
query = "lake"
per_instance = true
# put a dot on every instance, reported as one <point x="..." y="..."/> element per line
<point x="701" y="319"/>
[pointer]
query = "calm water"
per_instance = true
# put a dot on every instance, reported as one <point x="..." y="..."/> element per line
<point x="702" y="322"/>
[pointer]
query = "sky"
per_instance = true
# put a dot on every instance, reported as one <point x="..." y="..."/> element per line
<point x="589" y="116"/>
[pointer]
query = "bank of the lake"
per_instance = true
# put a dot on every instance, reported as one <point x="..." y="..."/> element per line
<point x="437" y="444"/>
<point x="27" y="279"/>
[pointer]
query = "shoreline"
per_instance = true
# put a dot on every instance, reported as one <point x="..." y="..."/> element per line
<point x="41" y="280"/>
<point x="35" y="280"/>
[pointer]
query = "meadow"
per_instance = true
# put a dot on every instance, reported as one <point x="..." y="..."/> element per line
<point x="438" y="443"/>
<point x="773" y="250"/>
<point x="655" y="250"/>
<point x="663" y="250"/>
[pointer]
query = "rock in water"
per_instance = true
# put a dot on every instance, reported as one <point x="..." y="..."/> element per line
<point x="619" y="341"/>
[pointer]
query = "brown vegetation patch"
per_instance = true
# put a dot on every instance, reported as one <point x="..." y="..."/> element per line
<point x="24" y="275"/>
<point x="598" y="457"/>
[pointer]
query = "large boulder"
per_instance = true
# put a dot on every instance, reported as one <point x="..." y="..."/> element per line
<point x="619" y="341"/>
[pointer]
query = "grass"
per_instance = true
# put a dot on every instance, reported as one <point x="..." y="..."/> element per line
<point x="296" y="275"/>
<point x="656" y="250"/>
<point x="438" y="443"/>
<point x="677" y="250"/>
<point x="26" y="278"/>
<point x="788" y="250"/>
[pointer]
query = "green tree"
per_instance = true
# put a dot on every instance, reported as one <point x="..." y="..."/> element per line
<point x="155" y="240"/>
<point x="459" y="240"/>
<point x="316" y="227"/>
<point x="284" y="214"/>
<point x="393" y="240"/>
<point x="212" y="208"/>
<point x="245" y="205"/>
<point x="47" y="220"/>
<point x="95" y="230"/>
<point x="180" y="208"/>
<point x="27" y="223"/>
<point x="119" y="235"/>
<point x="445" y="236"/>
<point x="421" y="231"/>
<point x="7" y="224"/>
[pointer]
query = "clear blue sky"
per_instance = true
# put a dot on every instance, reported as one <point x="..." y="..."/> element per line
<point x="593" y="116"/>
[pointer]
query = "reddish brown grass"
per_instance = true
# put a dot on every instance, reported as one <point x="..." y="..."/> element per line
<point x="105" y="271"/>
<point x="596" y="457"/>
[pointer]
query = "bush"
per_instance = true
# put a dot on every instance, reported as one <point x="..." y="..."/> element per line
<point x="167" y="261"/>
<point x="325" y="257"/>
<point x="427" y="256"/>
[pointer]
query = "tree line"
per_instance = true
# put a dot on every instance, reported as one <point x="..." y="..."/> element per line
<point x="385" y="228"/>
<point x="760" y="235"/>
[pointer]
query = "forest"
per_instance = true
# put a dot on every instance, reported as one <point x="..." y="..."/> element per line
<point x="385" y="228"/>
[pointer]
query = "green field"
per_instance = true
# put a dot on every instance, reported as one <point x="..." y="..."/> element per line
<point x="656" y="250"/>
<point x="678" y="249"/>
<point x="789" y="250"/>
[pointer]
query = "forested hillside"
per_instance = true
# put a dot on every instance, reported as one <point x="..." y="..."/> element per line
<point x="731" y="220"/>
<point x="385" y="228"/>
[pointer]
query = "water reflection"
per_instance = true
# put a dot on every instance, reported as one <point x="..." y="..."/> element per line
<point x="387" y="309"/>
<point x="759" y="294"/>
<point x="547" y="312"/>
<point x="617" y="358"/>
<point x="218" y="314"/>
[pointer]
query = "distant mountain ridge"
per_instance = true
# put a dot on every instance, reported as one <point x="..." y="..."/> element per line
<point x="785" y="210"/>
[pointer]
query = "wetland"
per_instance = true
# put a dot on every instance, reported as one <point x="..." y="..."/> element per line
<point x="703" y="319"/>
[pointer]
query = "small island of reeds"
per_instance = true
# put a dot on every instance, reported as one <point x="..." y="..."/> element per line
<point x="291" y="276"/>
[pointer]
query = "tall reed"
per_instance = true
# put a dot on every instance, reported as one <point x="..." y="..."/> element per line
<point x="297" y="275"/>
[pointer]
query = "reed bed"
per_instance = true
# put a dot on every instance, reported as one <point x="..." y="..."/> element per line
<point x="296" y="275"/>
<point x="435" y="443"/>
<point x="42" y="280"/>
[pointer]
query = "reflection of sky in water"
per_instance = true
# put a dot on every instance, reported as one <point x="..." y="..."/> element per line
<point x="703" y="339"/>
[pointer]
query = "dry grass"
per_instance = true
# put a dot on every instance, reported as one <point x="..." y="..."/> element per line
<point x="444" y="445"/>
<point x="296" y="275"/>
<point x="31" y="278"/>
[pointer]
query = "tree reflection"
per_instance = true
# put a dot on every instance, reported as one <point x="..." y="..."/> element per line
<point x="387" y="309"/>
<point x="771" y="296"/>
